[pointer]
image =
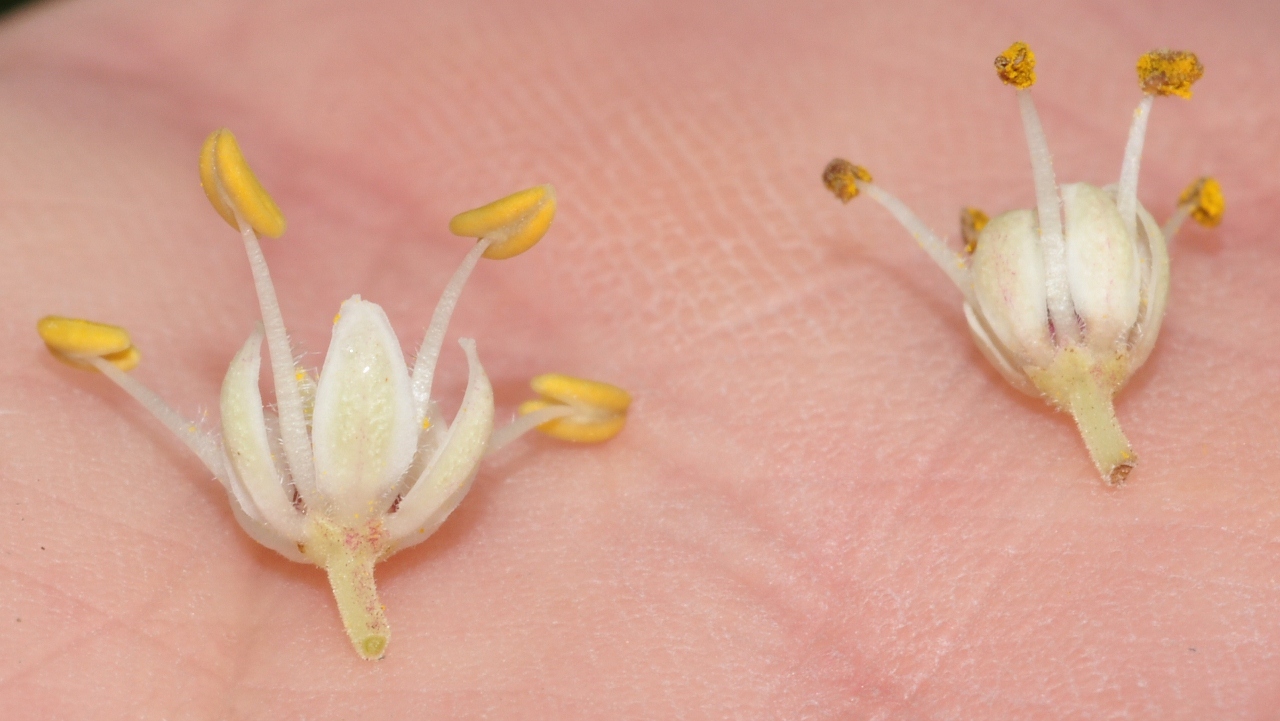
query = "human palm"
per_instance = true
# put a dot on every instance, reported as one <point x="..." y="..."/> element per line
<point x="825" y="504"/>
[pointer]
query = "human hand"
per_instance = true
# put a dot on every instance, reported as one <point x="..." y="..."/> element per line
<point x="825" y="505"/>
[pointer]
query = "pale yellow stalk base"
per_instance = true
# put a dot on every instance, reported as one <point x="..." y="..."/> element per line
<point x="1084" y="387"/>
<point x="348" y="556"/>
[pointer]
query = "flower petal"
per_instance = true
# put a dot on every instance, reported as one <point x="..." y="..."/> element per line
<point x="363" y="426"/>
<point x="448" y="476"/>
<point x="1154" y="253"/>
<point x="1009" y="286"/>
<point x="1102" y="265"/>
<point x="244" y="435"/>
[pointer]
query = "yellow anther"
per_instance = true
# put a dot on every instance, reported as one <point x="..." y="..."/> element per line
<point x="972" y="221"/>
<point x="125" y="360"/>
<point x="224" y="172"/>
<point x="1205" y="195"/>
<point x="73" y="336"/>
<point x="72" y="340"/>
<point x="581" y="392"/>
<point x="1169" y="72"/>
<point x="513" y="224"/>
<point x="599" y="408"/>
<point x="573" y="428"/>
<point x="842" y="177"/>
<point x="1017" y="66"/>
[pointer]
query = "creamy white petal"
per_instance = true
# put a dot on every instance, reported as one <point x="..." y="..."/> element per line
<point x="997" y="355"/>
<point x="1102" y="265"/>
<point x="364" y="431"/>
<point x="267" y="536"/>
<point x="448" y="475"/>
<point x="244" y="435"/>
<point x="1009" y="286"/>
<point x="1155" y="289"/>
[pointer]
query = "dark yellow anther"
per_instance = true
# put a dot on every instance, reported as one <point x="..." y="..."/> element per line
<point x="599" y="409"/>
<point x="842" y="177"/>
<point x="1017" y="66"/>
<point x="125" y="360"/>
<point x="1204" y="197"/>
<point x="72" y="341"/>
<point x="1169" y="72"/>
<point x="972" y="221"/>
<point x="228" y="181"/>
<point x="513" y="224"/>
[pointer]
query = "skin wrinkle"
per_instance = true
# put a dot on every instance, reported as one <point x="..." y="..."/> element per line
<point x="875" y="479"/>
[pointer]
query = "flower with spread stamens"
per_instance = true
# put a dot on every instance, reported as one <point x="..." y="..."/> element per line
<point x="1065" y="299"/>
<point x="358" y="464"/>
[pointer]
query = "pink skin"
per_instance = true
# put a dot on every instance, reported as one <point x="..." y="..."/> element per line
<point x="826" y="505"/>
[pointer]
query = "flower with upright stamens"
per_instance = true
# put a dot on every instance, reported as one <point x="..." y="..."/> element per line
<point x="1065" y="299"/>
<point x="358" y="464"/>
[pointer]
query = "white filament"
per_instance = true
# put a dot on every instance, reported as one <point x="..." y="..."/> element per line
<point x="1127" y="195"/>
<point x="951" y="262"/>
<point x="1049" y="216"/>
<point x="424" y="366"/>
<point x="1175" y="221"/>
<point x="202" y="443"/>
<point x="523" y="424"/>
<point x="293" y="422"/>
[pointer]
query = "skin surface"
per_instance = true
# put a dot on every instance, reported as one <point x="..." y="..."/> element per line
<point x="825" y="505"/>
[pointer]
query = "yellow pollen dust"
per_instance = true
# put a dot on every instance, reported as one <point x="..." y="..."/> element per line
<point x="1169" y="72"/>
<point x="842" y="177"/>
<point x="1017" y="66"/>
<point x="227" y="178"/>
<point x="600" y="409"/>
<point x="512" y="224"/>
<point x="972" y="221"/>
<point x="72" y="341"/>
<point x="1205" y="194"/>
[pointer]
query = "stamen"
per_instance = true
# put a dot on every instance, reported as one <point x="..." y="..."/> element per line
<point x="1127" y="190"/>
<point x="1160" y="72"/>
<point x="293" y="420"/>
<point x="846" y="180"/>
<point x="424" y="366"/>
<point x="598" y="411"/>
<point x="522" y="424"/>
<point x="125" y="360"/>
<point x="202" y="443"/>
<point x="74" y="341"/>
<point x="76" y="337"/>
<point x="232" y="187"/>
<point x="581" y="392"/>
<point x="1169" y="72"/>
<point x="65" y="334"/>
<point x="1204" y="197"/>
<point x="1016" y="66"/>
<point x="1201" y="201"/>
<point x="236" y="194"/>
<point x="512" y="224"/>
<point x="972" y="221"/>
<point x="842" y="177"/>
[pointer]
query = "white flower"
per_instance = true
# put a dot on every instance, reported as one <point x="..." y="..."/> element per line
<point x="1065" y="299"/>
<point x="359" y="464"/>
